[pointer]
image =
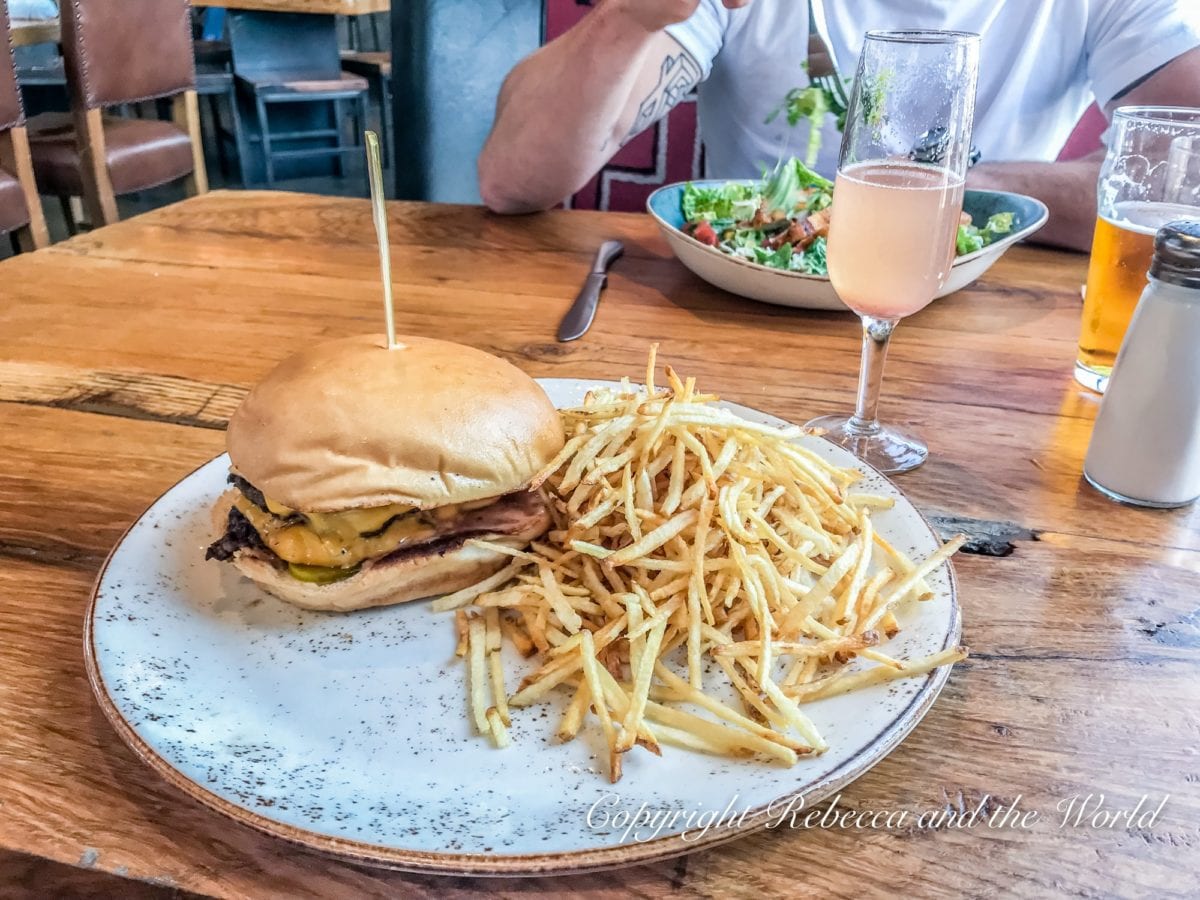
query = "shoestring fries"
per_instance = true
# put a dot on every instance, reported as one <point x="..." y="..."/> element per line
<point x="693" y="554"/>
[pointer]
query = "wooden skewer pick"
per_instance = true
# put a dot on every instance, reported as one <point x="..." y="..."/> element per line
<point x="379" y="212"/>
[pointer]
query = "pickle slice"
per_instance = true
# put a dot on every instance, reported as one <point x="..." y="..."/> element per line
<point x="319" y="574"/>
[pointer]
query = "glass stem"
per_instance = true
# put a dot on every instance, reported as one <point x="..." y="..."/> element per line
<point x="876" y="333"/>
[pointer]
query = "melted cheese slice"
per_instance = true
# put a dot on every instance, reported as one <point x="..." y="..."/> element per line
<point x="348" y="524"/>
<point x="335" y="540"/>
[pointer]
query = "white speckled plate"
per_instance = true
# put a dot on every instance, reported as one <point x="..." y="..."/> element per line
<point x="349" y="733"/>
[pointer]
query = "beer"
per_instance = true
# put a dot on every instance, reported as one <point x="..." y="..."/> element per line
<point x="1121" y="252"/>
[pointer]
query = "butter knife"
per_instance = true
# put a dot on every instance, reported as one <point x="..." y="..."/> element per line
<point x="579" y="317"/>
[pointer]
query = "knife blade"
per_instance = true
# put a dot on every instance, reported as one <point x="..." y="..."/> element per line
<point x="579" y="317"/>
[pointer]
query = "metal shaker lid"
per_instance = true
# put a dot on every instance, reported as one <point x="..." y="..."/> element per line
<point x="1177" y="254"/>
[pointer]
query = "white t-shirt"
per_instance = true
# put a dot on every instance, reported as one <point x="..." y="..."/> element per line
<point x="1041" y="64"/>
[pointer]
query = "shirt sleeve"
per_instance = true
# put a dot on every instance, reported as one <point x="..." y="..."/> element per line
<point x="703" y="33"/>
<point x="1129" y="39"/>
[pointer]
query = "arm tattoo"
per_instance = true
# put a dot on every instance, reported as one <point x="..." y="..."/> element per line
<point x="678" y="75"/>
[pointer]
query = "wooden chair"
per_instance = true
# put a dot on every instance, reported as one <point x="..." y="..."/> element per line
<point x="214" y="80"/>
<point x="354" y="32"/>
<point x="119" y="52"/>
<point x="374" y="63"/>
<point x="20" y="207"/>
<point x="42" y="78"/>
<point x="217" y="84"/>
<point x="376" y="67"/>
<point x="290" y="60"/>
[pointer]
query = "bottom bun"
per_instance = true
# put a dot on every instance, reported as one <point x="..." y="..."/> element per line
<point x="407" y="578"/>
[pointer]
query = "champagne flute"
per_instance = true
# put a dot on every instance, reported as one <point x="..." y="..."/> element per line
<point x="897" y="202"/>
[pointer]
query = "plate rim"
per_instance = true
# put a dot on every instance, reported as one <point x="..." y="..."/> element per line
<point x="568" y="862"/>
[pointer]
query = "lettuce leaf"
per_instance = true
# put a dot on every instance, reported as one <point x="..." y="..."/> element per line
<point x="971" y="238"/>
<point x="777" y="259"/>
<point x="811" y="104"/>
<point x="744" y="242"/>
<point x="968" y="240"/>
<point x="997" y="225"/>
<point x="810" y="179"/>
<point x="727" y="202"/>
<point x="812" y="260"/>
<point x="783" y="188"/>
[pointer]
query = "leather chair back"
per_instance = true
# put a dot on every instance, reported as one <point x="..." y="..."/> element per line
<point x="11" y="111"/>
<point x="127" y="51"/>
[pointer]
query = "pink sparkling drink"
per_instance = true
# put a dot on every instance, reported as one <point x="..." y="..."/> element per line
<point x="891" y="236"/>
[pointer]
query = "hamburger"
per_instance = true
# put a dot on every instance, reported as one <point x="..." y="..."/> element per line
<point x="359" y="472"/>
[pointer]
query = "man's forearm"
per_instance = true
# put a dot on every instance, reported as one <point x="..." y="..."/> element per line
<point x="1067" y="188"/>
<point x="559" y="110"/>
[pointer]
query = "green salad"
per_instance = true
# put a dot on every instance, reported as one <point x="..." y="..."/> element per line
<point x="971" y="238"/>
<point x="783" y="220"/>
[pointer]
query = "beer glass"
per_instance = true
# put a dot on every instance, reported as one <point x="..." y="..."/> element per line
<point x="1149" y="178"/>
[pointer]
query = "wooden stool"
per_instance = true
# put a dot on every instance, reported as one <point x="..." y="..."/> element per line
<point x="376" y="67"/>
<point x="282" y="59"/>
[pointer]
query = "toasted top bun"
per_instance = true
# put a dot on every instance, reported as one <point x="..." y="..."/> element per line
<point x="349" y="423"/>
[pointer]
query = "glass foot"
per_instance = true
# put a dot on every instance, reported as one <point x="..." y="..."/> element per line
<point x="889" y="450"/>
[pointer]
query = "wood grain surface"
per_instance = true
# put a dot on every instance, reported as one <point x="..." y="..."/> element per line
<point x="123" y="351"/>
<point x="35" y="31"/>
<point x="331" y="7"/>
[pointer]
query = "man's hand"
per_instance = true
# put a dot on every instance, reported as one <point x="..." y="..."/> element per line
<point x="655" y="15"/>
<point x="565" y="109"/>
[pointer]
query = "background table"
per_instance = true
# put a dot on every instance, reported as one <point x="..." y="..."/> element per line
<point x="125" y="350"/>
<point x="331" y="7"/>
<point x="26" y="32"/>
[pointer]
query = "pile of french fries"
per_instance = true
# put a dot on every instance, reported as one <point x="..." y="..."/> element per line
<point x="692" y="552"/>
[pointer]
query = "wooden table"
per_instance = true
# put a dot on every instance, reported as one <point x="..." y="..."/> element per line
<point x="124" y="351"/>
<point x="26" y="32"/>
<point x="331" y="7"/>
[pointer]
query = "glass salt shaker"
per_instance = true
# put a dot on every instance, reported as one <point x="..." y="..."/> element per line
<point x="1145" y="447"/>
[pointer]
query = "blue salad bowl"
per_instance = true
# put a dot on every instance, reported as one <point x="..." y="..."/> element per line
<point x="799" y="289"/>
